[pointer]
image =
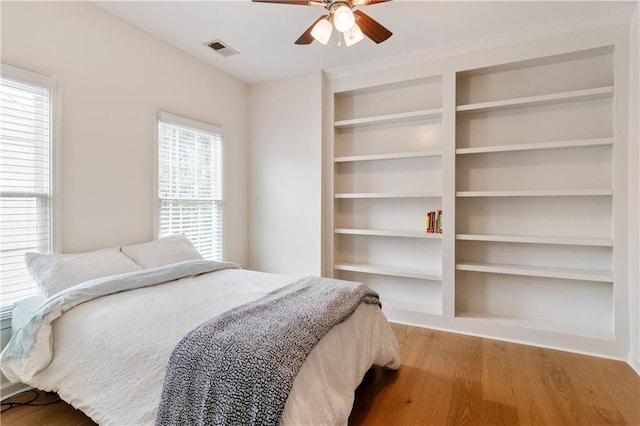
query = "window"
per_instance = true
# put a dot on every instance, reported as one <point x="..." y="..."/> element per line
<point x="190" y="182"/>
<point x="26" y="203"/>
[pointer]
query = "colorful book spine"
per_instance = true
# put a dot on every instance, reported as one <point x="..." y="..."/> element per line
<point x="434" y="222"/>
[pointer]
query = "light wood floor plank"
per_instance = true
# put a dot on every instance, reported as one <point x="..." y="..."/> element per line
<point x="466" y="405"/>
<point x="496" y="373"/>
<point x="496" y="414"/>
<point x="590" y="392"/>
<point x="621" y="382"/>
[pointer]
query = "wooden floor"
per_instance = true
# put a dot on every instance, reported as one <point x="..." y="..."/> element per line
<point x="450" y="379"/>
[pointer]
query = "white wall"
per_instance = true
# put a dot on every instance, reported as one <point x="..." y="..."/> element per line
<point x="285" y="164"/>
<point x="111" y="76"/>
<point x="634" y="192"/>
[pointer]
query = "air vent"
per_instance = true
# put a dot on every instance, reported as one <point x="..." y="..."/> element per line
<point x="221" y="48"/>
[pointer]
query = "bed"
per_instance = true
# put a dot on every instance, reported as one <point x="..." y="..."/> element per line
<point x="107" y="355"/>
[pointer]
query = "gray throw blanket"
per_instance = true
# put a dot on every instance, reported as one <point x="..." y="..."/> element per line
<point x="238" y="368"/>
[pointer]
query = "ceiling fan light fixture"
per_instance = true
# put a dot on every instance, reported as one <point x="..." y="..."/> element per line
<point x="322" y="31"/>
<point x="343" y="18"/>
<point x="353" y="36"/>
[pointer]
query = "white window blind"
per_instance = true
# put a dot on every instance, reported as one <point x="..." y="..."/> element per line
<point x="190" y="182"/>
<point x="25" y="177"/>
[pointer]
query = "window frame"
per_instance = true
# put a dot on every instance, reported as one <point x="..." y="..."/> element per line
<point x="49" y="81"/>
<point x="162" y="115"/>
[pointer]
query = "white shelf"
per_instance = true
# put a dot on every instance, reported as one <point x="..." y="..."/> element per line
<point x="432" y="308"/>
<point x="537" y="271"/>
<point x="387" y="195"/>
<point x="547" y="326"/>
<point x="572" y="241"/>
<point x="395" y="271"/>
<point x="388" y="233"/>
<point x="538" y="193"/>
<point x="537" y="146"/>
<point x="389" y="118"/>
<point x="393" y="156"/>
<point x="575" y="95"/>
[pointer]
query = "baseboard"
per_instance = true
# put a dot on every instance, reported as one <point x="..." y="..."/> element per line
<point x="7" y="390"/>
<point x="634" y="362"/>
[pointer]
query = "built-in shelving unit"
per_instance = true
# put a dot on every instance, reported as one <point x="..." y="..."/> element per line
<point x="387" y="174"/>
<point x="534" y="157"/>
<point x="526" y="158"/>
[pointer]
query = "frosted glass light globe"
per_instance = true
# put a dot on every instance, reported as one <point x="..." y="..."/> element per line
<point x="343" y="18"/>
<point x="322" y="31"/>
<point x="353" y="36"/>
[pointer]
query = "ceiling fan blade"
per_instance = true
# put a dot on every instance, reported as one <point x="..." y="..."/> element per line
<point x="294" y="2"/>
<point x="367" y="2"/>
<point x="306" y="37"/>
<point x="371" y="28"/>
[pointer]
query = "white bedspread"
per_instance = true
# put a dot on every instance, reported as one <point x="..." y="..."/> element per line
<point x="110" y="354"/>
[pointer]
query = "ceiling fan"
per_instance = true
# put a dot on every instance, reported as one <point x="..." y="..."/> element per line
<point x="352" y="24"/>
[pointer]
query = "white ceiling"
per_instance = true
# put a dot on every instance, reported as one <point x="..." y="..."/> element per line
<point x="264" y="33"/>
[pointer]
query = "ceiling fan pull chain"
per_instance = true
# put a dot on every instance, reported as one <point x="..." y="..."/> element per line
<point x="339" y="38"/>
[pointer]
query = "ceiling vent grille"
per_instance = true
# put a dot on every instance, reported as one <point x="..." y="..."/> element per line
<point x="221" y="48"/>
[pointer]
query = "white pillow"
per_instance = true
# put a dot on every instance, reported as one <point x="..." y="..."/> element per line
<point x="56" y="272"/>
<point x="163" y="251"/>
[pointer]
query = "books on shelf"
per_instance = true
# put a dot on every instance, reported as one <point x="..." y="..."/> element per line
<point x="434" y="222"/>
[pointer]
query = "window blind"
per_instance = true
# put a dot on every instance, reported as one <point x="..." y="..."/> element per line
<point x="190" y="182"/>
<point x="25" y="179"/>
